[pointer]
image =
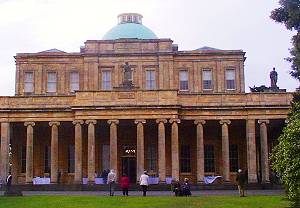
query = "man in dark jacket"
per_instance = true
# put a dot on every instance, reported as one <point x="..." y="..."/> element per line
<point x="241" y="180"/>
<point x="8" y="181"/>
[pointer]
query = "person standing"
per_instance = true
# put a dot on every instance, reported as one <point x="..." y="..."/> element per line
<point x="8" y="182"/>
<point x="125" y="184"/>
<point x="241" y="180"/>
<point x="144" y="182"/>
<point x="111" y="180"/>
<point x="186" y="190"/>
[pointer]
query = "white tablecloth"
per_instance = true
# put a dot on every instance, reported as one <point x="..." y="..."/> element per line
<point x="168" y="180"/>
<point x="210" y="179"/>
<point x="38" y="180"/>
<point x="97" y="181"/>
<point x="153" y="180"/>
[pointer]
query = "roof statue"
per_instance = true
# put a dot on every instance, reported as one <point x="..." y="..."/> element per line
<point x="274" y="78"/>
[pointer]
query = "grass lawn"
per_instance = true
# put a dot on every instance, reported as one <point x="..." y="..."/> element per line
<point x="139" y="202"/>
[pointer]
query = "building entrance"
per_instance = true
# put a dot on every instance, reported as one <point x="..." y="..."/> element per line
<point x="129" y="167"/>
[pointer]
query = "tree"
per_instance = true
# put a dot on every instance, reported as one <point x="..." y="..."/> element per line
<point x="285" y="157"/>
<point x="289" y="14"/>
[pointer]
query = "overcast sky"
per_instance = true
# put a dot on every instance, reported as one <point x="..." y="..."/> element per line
<point x="38" y="25"/>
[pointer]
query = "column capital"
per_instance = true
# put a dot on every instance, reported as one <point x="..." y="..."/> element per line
<point x="172" y="120"/>
<point x="261" y="121"/>
<point x="91" y="122"/>
<point x="161" y="120"/>
<point x="197" y="122"/>
<point x="142" y="121"/>
<point x="29" y="124"/>
<point x="54" y="123"/>
<point x="78" y="122"/>
<point x="113" y="121"/>
<point x="222" y="122"/>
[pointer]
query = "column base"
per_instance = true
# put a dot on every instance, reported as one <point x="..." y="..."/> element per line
<point x="200" y="182"/>
<point x="162" y="182"/>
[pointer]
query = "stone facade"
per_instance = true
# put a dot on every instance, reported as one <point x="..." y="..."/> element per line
<point x="150" y="126"/>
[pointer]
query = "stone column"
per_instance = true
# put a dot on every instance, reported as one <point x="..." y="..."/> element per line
<point x="175" y="148"/>
<point x="54" y="150"/>
<point x="78" y="151"/>
<point x="5" y="140"/>
<point x="140" y="147"/>
<point x="251" y="151"/>
<point x="91" y="150"/>
<point x="113" y="145"/>
<point x="29" y="152"/>
<point x="200" y="150"/>
<point x="225" y="150"/>
<point x="161" y="150"/>
<point x="264" y="151"/>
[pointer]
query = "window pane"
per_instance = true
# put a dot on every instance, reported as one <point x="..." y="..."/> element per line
<point x="207" y="79"/>
<point x="28" y="82"/>
<point x="74" y="81"/>
<point x="47" y="159"/>
<point x="209" y="158"/>
<point x="106" y="80"/>
<point x="185" y="159"/>
<point x="183" y="80"/>
<point x="51" y="84"/>
<point x="152" y="157"/>
<point x="233" y="157"/>
<point x="150" y="79"/>
<point x="230" y="78"/>
<point x="105" y="157"/>
<point x="71" y="159"/>
<point x="23" y="159"/>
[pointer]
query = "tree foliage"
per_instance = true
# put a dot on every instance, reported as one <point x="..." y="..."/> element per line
<point x="285" y="157"/>
<point x="289" y="14"/>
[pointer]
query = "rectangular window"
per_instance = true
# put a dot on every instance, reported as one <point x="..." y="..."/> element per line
<point x="230" y="79"/>
<point x="150" y="79"/>
<point x="183" y="80"/>
<point x="151" y="157"/>
<point x="71" y="158"/>
<point x="207" y="79"/>
<point x="105" y="157"/>
<point x="209" y="158"/>
<point x="47" y="161"/>
<point x="51" y="82"/>
<point x="234" y="157"/>
<point x="74" y="81"/>
<point x="185" y="159"/>
<point x="23" y="159"/>
<point x="106" y="80"/>
<point x="28" y="82"/>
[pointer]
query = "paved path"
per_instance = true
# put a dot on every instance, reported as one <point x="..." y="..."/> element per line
<point x="154" y="193"/>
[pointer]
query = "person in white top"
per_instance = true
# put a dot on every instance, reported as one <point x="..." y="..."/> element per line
<point x="144" y="182"/>
<point x="111" y="180"/>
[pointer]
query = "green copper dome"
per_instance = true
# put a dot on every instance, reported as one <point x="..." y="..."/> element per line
<point x="130" y="26"/>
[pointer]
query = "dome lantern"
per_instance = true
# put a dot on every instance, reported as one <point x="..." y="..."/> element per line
<point x="129" y="27"/>
<point x="130" y="18"/>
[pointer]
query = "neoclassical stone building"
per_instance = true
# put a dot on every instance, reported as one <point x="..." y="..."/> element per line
<point x="174" y="113"/>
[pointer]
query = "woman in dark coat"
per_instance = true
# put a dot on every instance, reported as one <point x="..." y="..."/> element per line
<point x="185" y="188"/>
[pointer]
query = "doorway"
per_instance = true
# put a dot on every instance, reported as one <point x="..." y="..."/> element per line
<point x="129" y="168"/>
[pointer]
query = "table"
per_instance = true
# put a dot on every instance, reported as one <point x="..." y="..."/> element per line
<point x="97" y="181"/>
<point x="169" y="180"/>
<point x="153" y="180"/>
<point x="38" y="181"/>
<point x="210" y="179"/>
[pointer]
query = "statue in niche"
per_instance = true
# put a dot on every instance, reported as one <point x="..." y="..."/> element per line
<point x="274" y="78"/>
<point x="127" y="73"/>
